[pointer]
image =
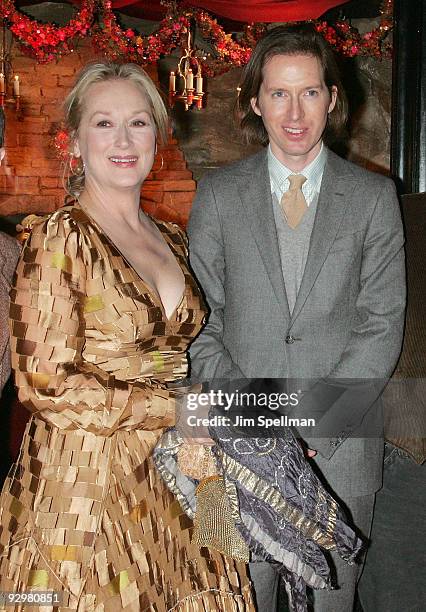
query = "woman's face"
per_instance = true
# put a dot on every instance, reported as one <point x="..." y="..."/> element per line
<point x="116" y="138"/>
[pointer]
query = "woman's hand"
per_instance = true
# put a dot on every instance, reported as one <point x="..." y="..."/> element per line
<point x="196" y="460"/>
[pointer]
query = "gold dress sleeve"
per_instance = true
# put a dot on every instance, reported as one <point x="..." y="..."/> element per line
<point x="48" y="314"/>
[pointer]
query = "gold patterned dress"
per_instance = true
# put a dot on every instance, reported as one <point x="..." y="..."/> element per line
<point x="84" y="512"/>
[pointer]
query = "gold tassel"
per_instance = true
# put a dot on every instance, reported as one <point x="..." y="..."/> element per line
<point x="214" y="526"/>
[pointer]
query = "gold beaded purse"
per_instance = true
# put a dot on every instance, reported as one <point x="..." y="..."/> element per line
<point x="214" y="524"/>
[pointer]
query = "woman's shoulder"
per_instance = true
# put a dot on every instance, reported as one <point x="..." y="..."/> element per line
<point x="63" y="221"/>
<point x="62" y="232"/>
<point x="58" y="241"/>
<point x="69" y="215"/>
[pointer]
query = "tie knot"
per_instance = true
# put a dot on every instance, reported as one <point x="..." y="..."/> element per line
<point x="296" y="181"/>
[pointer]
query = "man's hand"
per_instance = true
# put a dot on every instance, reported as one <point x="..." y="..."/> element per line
<point x="308" y="452"/>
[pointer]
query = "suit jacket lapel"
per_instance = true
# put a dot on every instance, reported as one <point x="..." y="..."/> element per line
<point x="255" y="193"/>
<point x="335" y="187"/>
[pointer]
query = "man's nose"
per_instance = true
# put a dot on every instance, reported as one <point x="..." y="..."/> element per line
<point x="296" y="108"/>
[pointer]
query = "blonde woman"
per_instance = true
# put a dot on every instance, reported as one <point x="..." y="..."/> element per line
<point x="102" y="312"/>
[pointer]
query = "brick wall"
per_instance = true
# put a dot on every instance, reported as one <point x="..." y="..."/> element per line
<point x="31" y="175"/>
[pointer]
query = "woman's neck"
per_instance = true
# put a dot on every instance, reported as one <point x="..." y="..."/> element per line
<point x="108" y="207"/>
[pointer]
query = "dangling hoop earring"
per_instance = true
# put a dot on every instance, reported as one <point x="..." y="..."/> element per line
<point x="162" y="163"/>
<point x="76" y="169"/>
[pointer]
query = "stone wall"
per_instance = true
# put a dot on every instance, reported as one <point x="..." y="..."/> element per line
<point x="370" y="126"/>
<point x="210" y="138"/>
<point x="31" y="176"/>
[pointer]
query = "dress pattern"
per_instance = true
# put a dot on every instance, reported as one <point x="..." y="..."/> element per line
<point x="84" y="512"/>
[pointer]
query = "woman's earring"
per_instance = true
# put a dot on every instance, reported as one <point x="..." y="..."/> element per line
<point x="76" y="165"/>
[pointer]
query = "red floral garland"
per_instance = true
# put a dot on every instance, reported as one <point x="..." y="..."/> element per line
<point x="45" y="41"/>
<point x="348" y="41"/>
<point x="126" y="45"/>
<point x="230" y="52"/>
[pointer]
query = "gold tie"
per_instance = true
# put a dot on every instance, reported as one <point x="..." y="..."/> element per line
<point x="293" y="202"/>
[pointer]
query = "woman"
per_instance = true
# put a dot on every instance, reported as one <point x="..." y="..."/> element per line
<point x="102" y="312"/>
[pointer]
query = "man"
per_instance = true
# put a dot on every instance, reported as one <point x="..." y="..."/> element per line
<point x="300" y="256"/>
<point x="9" y="253"/>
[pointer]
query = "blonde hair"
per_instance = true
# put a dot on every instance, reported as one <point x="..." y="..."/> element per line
<point x="99" y="72"/>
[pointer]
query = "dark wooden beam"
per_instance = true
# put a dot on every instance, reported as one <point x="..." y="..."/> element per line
<point x="408" y="135"/>
<point x="355" y="9"/>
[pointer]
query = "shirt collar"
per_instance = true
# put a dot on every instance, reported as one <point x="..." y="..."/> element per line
<point x="313" y="171"/>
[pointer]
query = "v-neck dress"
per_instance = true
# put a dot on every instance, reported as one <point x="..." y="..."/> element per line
<point x="84" y="513"/>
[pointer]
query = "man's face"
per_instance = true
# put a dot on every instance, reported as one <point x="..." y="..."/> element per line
<point x="294" y="102"/>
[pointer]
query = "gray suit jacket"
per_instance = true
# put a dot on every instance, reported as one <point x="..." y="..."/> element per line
<point x="348" y="318"/>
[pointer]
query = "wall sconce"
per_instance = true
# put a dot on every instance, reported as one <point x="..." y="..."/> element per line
<point x="184" y="85"/>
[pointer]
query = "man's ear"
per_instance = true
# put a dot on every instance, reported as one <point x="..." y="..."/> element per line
<point x="255" y="107"/>
<point x="333" y="98"/>
<point x="2" y="153"/>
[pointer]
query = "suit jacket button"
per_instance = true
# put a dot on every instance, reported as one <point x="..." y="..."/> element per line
<point x="289" y="339"/>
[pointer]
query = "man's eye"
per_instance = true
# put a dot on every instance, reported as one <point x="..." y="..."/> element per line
<point x="312" y="93"/>
<point x="278" y="94"/>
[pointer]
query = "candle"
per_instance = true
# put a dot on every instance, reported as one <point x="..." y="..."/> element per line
<point x="172" y="82"/>
<point x="181" y="84"/>
<point x="190" y="80"/>
<point x="16" y="85"/>
<point x="1" y="82"/>
<point x="199" y="84"/>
